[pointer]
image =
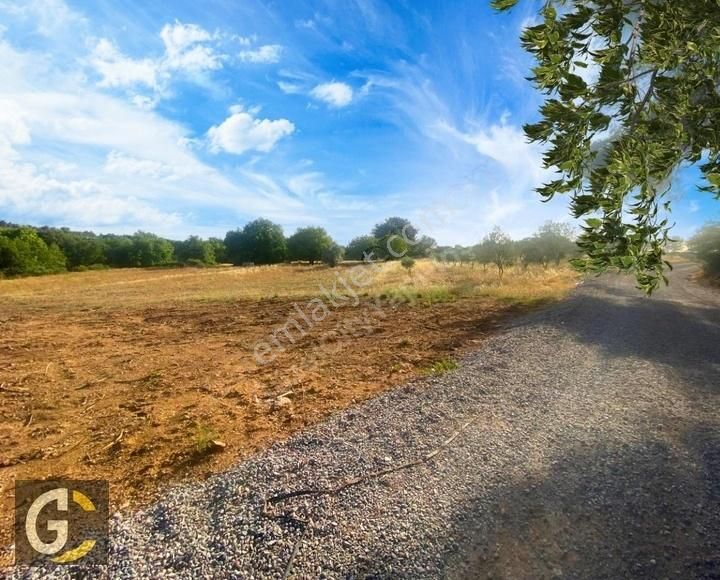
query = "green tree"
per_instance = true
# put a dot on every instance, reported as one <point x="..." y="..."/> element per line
<point x="80" y="248"/>
<point x="23" y="252"/>
<point x="259" y="242"/>
<point x="118" y="250"/>
<point x="219" y="251"/>
<point x="362" y="248"/>
<point x="332" y="255"/>
<point x="422" y="247"/>
<point x="195" y="248"/>
<point x="497" y="248"/>
<point x="552" y="243"/>
<point x="706" y="246"/>
<point x="395" y="237"/>
<point x="309" y="244"/>
<point x="632" y="95"/>
<point x="149" y="250"/>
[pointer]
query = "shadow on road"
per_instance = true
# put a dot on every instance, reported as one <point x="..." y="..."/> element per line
<point x="609" y="512"/>
<point x="623" y="323"/>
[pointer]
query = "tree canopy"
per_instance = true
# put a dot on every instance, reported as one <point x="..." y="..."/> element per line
<point x="309" y="244"/>
<point x="361" y="248"/>
<point x="260" y="242"/>
<point x="632" y="94"/>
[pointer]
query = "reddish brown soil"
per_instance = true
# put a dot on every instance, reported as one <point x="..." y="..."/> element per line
<point x="122" y="395"/>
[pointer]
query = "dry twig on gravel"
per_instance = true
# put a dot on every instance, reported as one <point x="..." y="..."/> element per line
<point x="275" y="499"/>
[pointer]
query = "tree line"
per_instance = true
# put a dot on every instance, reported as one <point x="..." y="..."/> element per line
<point x="26" y="250"/>
<point x="553" y="243"/>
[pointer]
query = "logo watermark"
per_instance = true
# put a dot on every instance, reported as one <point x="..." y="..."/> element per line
<point x="61" y="522"/>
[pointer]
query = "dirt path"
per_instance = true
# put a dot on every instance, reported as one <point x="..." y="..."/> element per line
<point x="593" y="452"/>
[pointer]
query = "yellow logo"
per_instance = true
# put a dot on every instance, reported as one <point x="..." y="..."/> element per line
<point x="59" y="495"/>
<point x="56" y="521"/>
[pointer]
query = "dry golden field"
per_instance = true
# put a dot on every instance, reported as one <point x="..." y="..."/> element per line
<point x="130" y="375"/>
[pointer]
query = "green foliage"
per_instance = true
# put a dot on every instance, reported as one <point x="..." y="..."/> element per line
<point x="259" y="242"/>
<point x="631" y="95"/>
<point x="395" y="237"/>
<point x="204" y="437"/>
<point x="195" y="249"/>
<point x="442" y="366"/>
<point x="408" y="263"/>
<point x="422" y="247"/>
<point x="395" y="226"/>
<point x="309" y="244"/>
<point x="332" y="255"/>
<point x="706" y="246"/>
<point x="219" y="251"/>
<point x="362" y="248"/>
<point x="149" y="250"/>
<point x="497" y="248"/>
<point x="553" y="243"/>
<point x="79" y="248"/>
<point x="24" y="253"/>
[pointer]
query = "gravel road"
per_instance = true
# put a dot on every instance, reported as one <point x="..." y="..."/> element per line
<point x="593" y="452"/>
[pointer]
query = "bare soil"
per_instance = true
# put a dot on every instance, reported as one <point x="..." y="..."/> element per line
<point x="134" y="393"/>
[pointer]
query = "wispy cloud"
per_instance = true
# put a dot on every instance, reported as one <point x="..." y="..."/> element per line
<point x="336" y="94"/>
<point x="266" y="54"/>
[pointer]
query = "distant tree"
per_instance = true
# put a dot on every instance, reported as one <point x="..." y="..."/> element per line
<point x="395" y="237"/>
<point x="150" y="250"/>
<point x="554" y="242"/>
<point x="195" y="248"/>
<point x="332" y="255"/>
<point x="80" y="248"/>
<point x="362" y="248"/>
<point x="260" y="242"/>
<point x="497" y="248"/>
<point x="118" y="250"/>
<point x="706" y="246"/>
<point x="219" y="251"/>
<point x="395" y="226"/>
<point x="422" y="247"/>
<point x="309" y="244"/>
<point x="23" y="252"/>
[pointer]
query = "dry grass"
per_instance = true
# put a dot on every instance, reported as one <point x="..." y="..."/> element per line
<point x="431" y="282"/>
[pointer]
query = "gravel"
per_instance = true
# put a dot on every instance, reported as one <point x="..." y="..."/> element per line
<point x="593" y="453"/>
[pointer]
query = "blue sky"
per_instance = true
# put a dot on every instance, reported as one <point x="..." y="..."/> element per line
<point x="195" y="117"/>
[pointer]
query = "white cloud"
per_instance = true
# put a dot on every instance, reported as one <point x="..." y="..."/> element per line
<point x="13" y="130"/>
<point x="178" y="36"/>
<point x="49" y="16"/>
<point x="117" y="70"/>
<point x="72" y="155"/>
<point x="241" y="132"/>
<point x="187" y="51"/>
<point x="506" y="145"/>
<point x="335" y="94"/>
<point x="289" y="88"/>
<point x="266" y="54"/>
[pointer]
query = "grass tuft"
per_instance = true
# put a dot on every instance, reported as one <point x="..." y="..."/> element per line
<point x="442" y="366"/>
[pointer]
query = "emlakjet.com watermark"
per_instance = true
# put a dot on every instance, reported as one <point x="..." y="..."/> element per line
<point x="61" y="521"/>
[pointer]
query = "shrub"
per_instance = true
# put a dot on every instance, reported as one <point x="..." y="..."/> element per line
<point x="408" y="263"/>
<point x="195" y="263"/>
<point x="332" y="255"/>
<point x="706" y="246"/>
